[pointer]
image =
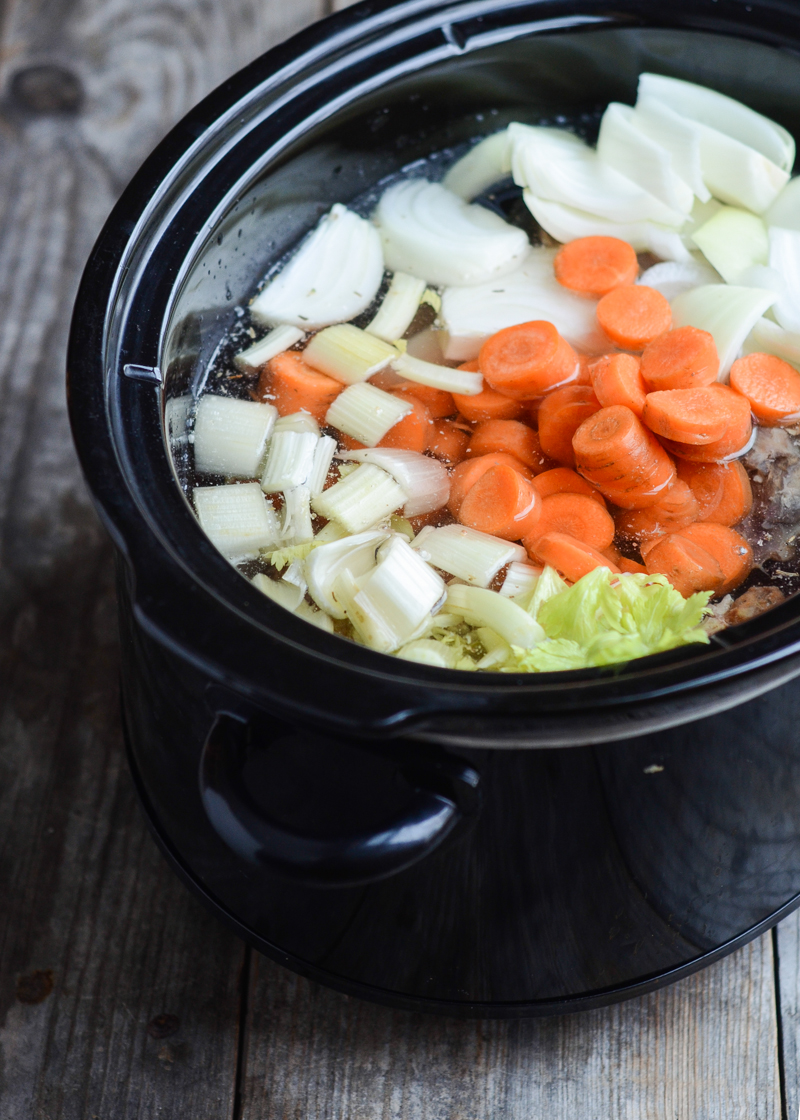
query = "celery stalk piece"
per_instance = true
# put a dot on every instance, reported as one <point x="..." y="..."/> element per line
<point x="439" y="377"/>
<point x="323" y="457"/>
<point x="732" y="241"/>
<point x="295" y="574"/>
<point x="316" y="617"/>
<point x="366" y="413"/>
<point x="348" y="354"/>
<point x="285" y="594"/>
<point x="362" y="499"/>
<point x="398" y="308"/>
<point x="290" y="460"/>
<point x="467" y="553"/>
<point x="237" y="518"/>
<point x="726" y="311"/>
<point x="230" y="436"/>
<point x="280" y="339"/>
<point x="641" y="158"/>
<point x="424" y="479"/>
<point x="325" y="564"/>
<point x="566" y="223"/>
<point x="521" y="578"/>
<point x="297" y="422"/>
<point x="485" y="164"/>
<point x="296" y="527"/>
<point x="482" y="607"/>
<point x="331" y="277"/>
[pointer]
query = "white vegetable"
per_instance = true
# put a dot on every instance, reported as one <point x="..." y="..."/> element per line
<point x="486" y="608"/>
<point x="680" y="138"/>
<point x="361" y="499"/>
<point x="290" y="460"/>
<point x="330" y="532"/>
<point x="295" y="575"/>
<point x="347" y="353"/>
<point x="366" y="413"/>
<point x="673" y="277"/>
<point x="230" y="436"/>
<point x="323" y="457"/>
<point x="425" y="651"/>
<point x="485" y="164"/>
<point x="176" y="415"/>
<point x="565" y="223"/>
<point x="641" y="158"/>
<point x="732" y="241"/>
<point x="738" y="174"/>
<point x="767" y="337"/>
<point x="315" y="617"/>
<point x="701" y="213"/>
<point x="471" y="315"/>
<point x="431" y="233"/>
<point x="333" y="276"/>
<point x="237" y="518"/>
<point x="297" y="422"/>
<point x="285" y="594"/>
<point x="559" y="167"/>
<point x="424" y="479"/>
<point x="296" y="527"/>
<point x="785" y="210"/>
<point x="726" y="311"/>
<point x="520" y="579"/>
<point x="398" y="308"/>
<point x="257" y="355"/>
<point x="497" y="649"/>
<point x="466" y="553"/>
<point x="324" y="565"/>
<point x="784" y="257"/>
<point x="439" y="377"/>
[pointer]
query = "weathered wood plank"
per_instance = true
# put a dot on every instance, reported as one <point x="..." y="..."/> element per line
<point x="702" y="1050"/>
<point x="787" y="937"/>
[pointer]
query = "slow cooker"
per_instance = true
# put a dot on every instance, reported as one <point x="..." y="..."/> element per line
<point x="470" y="844"/>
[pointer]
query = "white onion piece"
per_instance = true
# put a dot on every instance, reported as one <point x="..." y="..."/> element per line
<point x="565" y="223"/>
<point x="732" y="241"/>
<point x="726" y="311"/>
<point x="439" y="377"/>
<point x="482" y="607"/>
<point x="285" y="594"/>
<point x="737" y="174"/>
<point x="673" y="277"/>
<point x="471" y="315"/>
<point x="333" y="276"/>
<point x="784" y="257"/>
<point x="425" y="480"/>
<point x="699" y="103"/>
<point x="560" y="167"/>
<point x="324" y="565"/>
<point x="274" y="343"/>
<point x="641" y="158"/>
<point x="678" y="136"/>
<point x="431" y="233"/>
<point x="767" y="337"/>
<point x="785" y="210"/>
<point x="482" y="166"/>
<point x="398" y="308"/>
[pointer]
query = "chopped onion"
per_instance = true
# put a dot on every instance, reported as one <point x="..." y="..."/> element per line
<point x="641" y="158"/>
<point x="361" y="499"/>
<point x="565" y="223"/>
<point x="784" y="257"/>
<point x="466" y="553"/>
<point x="230" y="436"/>
<point x="737" y="174"/>
<point x="680" y="137"/>
<point x="398" y="308"/>
<point x="366" y="413"/>
<point x="673" y="277"/>
<point x="333" y="276"/>
<point x="482" y="166"/>
<point x="732" y="241"/>
<point x="497" y="649"/>
<point x="487" y="608"/>
<point x="325" y="564"/>
<point x="296" y="527"/>
<point x="431" y="233"/>
<point x="726" y="311"/>
<point x="768" y="338"/>
<point x="285" y="594"/>
<point x="290" y="460"/>
<point x="315" y="617"/>
<point x="439" y="377"/>
<point x="785" y="210"/>
<point x="257" y="355"/>
<point x="520" y="579"/>
<point x="237" y="518"/>
<point x="425" y="651"/>
<point x="347" y="353"/>
<point x="424" y="479"/>
<point x="323" y="457"/>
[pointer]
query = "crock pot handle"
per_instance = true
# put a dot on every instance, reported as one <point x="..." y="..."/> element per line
<point x="445" y="792"/>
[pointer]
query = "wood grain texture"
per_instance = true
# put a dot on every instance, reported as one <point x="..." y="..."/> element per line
<point x="787" y="937"/>
<point x="704" y="1049"/>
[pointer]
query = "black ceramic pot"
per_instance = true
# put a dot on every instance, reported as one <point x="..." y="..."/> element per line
<point x="399" y="832"/>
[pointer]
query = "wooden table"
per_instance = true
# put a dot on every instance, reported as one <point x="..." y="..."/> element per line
<point x="121" y="997"/>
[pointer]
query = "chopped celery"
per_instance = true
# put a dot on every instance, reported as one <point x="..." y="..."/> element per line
<point x="366" y="413"/>
<point x="467" y="553"/>
<point x="296" y="527"/>
<point x="237" y="518"/>
<point x="323" y="457"/>
<point x="297" y="422"/>
<point x="324" y="565"/>
<point x="360" y="500"/>
<point x="290" y="460"/>
<point x="521" y="578"/>
<point x="230" y="436"/>
<point x="347" y="353"/>
<point x="486" y="608"/>
<point x="438" y="377"/>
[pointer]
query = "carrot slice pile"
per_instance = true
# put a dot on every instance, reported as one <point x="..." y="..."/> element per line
<point x="617" y="454"/>
<point x="677" y="508"/>
<point x="722" y="490"/>
<point x="501" y="503"/>
<point x="578" y="516"/>
<point x="510" y="436"/>
<point x="413" y="432"/>
<point x="560" y="415"/>
<point x="488" y="404"/>
<point x="729" y="548"/>
<point x="466" y="474"/>
<point x="616" y="379"/>
<point x="683" y="358"/>
<point x="437" y="401"/>
<point x="448" y="441"/>
<point x="569" y="556"/>
<point x="770" y="385"/>
<point x="634" y="315"/>
<point x="595" y="265"/>
<point x="562" y="480"/>
<point x="695" y="416"/>
<point x="631" y="566"/>
<point x="687" y="565"/>
<point x="527" y="360"/>
<point x="292" y="386"/>
<point x="736" y="438"/>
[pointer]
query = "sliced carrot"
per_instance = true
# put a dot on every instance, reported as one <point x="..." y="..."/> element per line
<point x="613" y="554"/>
<point x="569" y="556"/>
<point x="634" y="315"/>
<point x="631" y="567"/>
<point x="595" y="265"/>
<point x="560" y="415"/>
<point x="448" y="441"/>
<point x="646" y="546"/>
<point x="696" y="416"/>
<point x="733" y="443"/>
<point x="584" y="370"/>
<point x="508" y="435"/>
<point x="527" y="360"/>
<point x="683" y="358"/>
<point x="687" y="565"/>
<point x="413" y="432"/>
<point x="616" y="380"/>
<point x="770" y="385"/>
<point x="488" y="404"/>
<point x="675" y="509"/>
<point x="292" y="386"/>
<point x="722" y="490"/>
<point x="729" y="548"/>
<point x="578" y="516"/>
<point x="562" y="480"/>
<point x="617" y="454"/>
<point x="437" y="401"/>
<point x="501" y="503"/>
<point x="466" y="474"/>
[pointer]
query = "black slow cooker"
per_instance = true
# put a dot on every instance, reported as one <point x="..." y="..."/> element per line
<point x="486" y="845"/>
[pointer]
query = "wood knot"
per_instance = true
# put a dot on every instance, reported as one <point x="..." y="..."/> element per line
<point x="46" y="88"/>
<point x="163" y="1026"/>
<point x="36" y="986"/>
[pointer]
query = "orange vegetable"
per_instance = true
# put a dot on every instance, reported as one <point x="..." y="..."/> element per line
<point x="732" y="443"/>
<point x="466" y="474"/>
<point x="729" y="548"/>
<point x="560" y="415"/>
<point x="488" y="404"/>
<point x="569" y="556"/>
<point x="501" y="503"/>
<point x="584" y="370"/>
<point x="448" y="441"/>
<point x="631" y="566"/>
<point x="562" y="480"/>
<point x="616" y="380"/>
<point x="437" y="401"/>
<point x="634" y="315"/>
<point x="722" y="490"/>
<point x="527" y="360"/>
<point x="675" y="509"/>
<point x="618" y="455"/>
<point x="292" y="386"/>
<point x="595" y="265"/>
<point x="413" y="432"/>
<point x="511" y="436"/>
<point x="683" y="358"/>
<point x="771" y="386"/>
<point x="696" y="416"/>
<point x="577" y="516"/>
<point x="687" y="565"/>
